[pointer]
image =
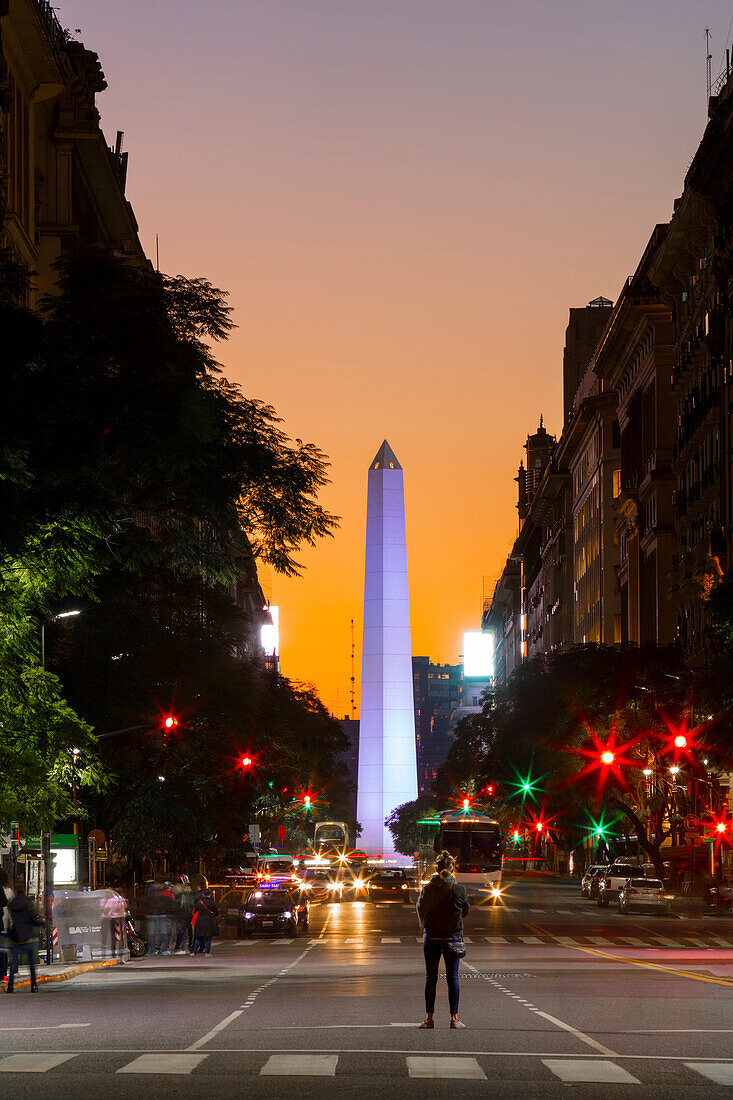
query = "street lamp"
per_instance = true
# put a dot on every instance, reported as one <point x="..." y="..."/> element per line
<point x="53" y="619"/>
<point x="674" y="770"/>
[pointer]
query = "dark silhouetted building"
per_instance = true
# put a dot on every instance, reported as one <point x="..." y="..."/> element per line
<point x="437" y="692"/>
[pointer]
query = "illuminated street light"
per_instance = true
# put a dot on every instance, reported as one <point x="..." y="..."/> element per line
<point x="647" y="772"/>
<point x="674" y="769"/>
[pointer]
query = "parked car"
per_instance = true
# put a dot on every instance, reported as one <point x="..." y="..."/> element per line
<point x="614" y="877"/>
<point x="590" y="877"/>
<point x="643" y="893"/>
<point x="274" y="910"/>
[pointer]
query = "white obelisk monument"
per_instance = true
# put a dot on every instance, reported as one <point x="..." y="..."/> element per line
<point x="387" y="757"/>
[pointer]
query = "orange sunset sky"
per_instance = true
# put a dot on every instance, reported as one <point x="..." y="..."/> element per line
<point x="403" y="198"/>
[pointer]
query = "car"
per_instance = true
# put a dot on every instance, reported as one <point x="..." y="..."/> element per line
<point x="315" y="883"/>
<point x="389" y="884"/>
<point x="643" y="893"/>
<point x="590" y="878"/>
<point x="274" y="910"/>
<point x="231" y="907"/>
<point x="613" y="878"/>
<point x="277" y="869"/>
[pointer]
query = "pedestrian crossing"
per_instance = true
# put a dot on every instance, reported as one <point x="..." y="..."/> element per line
<point x="681" y="941"/>
<point x="561" y="1069"/>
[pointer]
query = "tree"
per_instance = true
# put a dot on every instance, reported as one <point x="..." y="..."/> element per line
<point x="403" y="823"/>
<point x="570" y="737"/>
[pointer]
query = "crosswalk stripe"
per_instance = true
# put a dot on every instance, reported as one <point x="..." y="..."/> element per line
<point x="391" y="939"/>
<point x="695" y="941"/>
<point x="634" y="942"/>
<point x="33" y="1063"/>
<point x="599" y="941"/>
<point x="537" y="910"/>
<point x="578" y="1070"/>
<point x="355" y="939"/>
<point x="497" y="939"/>
<point x="719" y="1072"/>
<point x="300" y="1065"/>
<point x="530" y="939"/>
<point x="283" y="941"/>
<point x="723" y="943"/>
<point x="667" y="942"/>
<point x="164" y="1063"/>
<point x="567" y="941"/>
<point x="467" y="939"/>
<point x="565" y="912"/>
<point x="451" y="1068"/>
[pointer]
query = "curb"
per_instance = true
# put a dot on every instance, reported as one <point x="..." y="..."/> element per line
<point x="67" y="974"/>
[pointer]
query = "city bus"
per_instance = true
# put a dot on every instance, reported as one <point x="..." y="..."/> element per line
<point x="476" y="844"/>
<point x="331" y="839"/>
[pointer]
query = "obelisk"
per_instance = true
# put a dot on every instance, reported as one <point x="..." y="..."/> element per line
<point x="387" y="758"/>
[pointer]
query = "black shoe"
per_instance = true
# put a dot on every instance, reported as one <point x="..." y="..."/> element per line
<point x="34" y="989"/>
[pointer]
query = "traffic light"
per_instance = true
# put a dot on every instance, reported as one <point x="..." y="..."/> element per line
<point x="307" y="801"/>
<point x="490" y="788"/>
<point x="607" y="758"/>
<point x="539" y="826"/>
<point x="680" y="741"/>
<point x="466" y="805"/>
<point x="245" y="761"/>
<point x="515" y="837"/>
<point x="169" y="722"/>
<point x="720" y="827"/>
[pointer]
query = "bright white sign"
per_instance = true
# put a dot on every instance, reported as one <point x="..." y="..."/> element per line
<point x="64" y="869"/>
<point x="270" y="633"/>
<point x="478" y="655"/>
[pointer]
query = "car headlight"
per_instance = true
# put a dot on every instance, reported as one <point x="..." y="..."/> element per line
<point x="287" y="914"/>
<point x="496" y="891"/>
<point x="403" y="886"/>
<point x="305" y="886"/>
<point x="358" y="883"/>
<point x="249" y="916"/>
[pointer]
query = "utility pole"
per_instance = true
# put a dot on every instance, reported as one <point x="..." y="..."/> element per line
<point x="709" y="65"/>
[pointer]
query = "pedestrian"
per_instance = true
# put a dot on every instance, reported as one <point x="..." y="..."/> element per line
<point x="441" y="907"/>
<point x="184" y="912"/>
<point x="6" y="896"/>
<point x="23" y="935"/>
<point x="205" y="912"/>
<point x="157" y="920"/>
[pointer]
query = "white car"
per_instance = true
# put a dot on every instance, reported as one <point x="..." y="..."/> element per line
<point x="614" y="878"/>
<point x="643" y="893"/>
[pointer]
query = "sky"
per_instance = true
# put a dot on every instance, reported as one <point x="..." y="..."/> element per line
<point x="403" y="198"/>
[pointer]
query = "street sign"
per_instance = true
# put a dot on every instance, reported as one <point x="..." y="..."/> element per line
<point x="692" y="824"/>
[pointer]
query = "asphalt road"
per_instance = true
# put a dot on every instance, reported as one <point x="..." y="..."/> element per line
<point x="554" y="991"/>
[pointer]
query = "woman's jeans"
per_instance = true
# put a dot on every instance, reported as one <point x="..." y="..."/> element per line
<point x="203" y="943"/>
<point x="434" y="950"/>
<point x="18" y="949"/>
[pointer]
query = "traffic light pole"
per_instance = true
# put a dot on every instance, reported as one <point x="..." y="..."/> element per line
<point x="47" y="875"/>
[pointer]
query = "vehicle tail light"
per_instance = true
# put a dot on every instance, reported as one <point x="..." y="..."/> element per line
<point x="632" y="891"/>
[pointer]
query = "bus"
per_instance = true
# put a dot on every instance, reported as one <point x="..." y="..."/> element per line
<point x="331" y="839"/>
<point x="476" y="844"/>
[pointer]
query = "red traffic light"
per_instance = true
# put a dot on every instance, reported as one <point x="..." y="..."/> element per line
<point x="720" y="827"/>
<point x="539" y="826"/>
<point x="607" y="757"/>
<point x="245" y="761"/>
<point x="169" y="722"/>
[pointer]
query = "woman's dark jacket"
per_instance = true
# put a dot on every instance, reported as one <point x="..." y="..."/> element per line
<point x="441" y="907"/>
<point x="24" y="918"/>
<point x="206" y="924"/>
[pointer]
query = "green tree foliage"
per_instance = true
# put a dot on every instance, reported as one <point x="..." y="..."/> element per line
<point x="403" y="823"/>
<point x="540" y="739"/>
<point x="134" y="476"/>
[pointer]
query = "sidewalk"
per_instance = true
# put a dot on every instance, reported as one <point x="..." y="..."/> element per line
<point x="61" y="972"/>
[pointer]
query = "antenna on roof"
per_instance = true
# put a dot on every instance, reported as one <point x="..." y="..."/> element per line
<point x="709" y="64"/>
<point x="353" y="678"/>
<point x="157" y="254"/>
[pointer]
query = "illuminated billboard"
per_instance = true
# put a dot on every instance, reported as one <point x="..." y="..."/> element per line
<point x="270" y="633"/>
<point x="478" y="655"/>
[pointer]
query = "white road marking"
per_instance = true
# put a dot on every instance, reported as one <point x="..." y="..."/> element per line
<point x="567" y="941"/>
<point x="633" y="942"/>
<point x="530" y="939"/>
<point x="47" y="1027"/>
<point x="391" y="939"/>
<point x="537" y="910"/>
<point x="445" y="1068"/>
<point x="355" y="940"/>
<point x="300" y="1065"/>
<point x="721" y="941"/>
<point x="599" y="941"/>
<point x="283" y="941"/>
<point x="718" y="1072"/>
<point x="33" y="1063"/>
<point x="210" y="1034"/>
<point x="467" y="939"/>
<point x="666" y="942"/>
<point x="694" y="940"/>
<point x="497" y="939"/>
<point x="164" y="1063"/>
<point x="578" y="1034"/>
<point x="566" y="912"/>
<point x="576" y="1071"/>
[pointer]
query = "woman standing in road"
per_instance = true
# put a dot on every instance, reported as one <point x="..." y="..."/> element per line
<point x="441" y="907"/>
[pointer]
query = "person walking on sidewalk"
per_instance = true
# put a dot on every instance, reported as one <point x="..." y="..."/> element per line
<point x="23" y="935"/>
<point x="6" y="896"/>
<point x="205" y="912"/>
<point x="441" y="907"/>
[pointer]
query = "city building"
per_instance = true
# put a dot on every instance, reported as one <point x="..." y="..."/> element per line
<point x="60" y="183"/>
<point x="437" y="693"/>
